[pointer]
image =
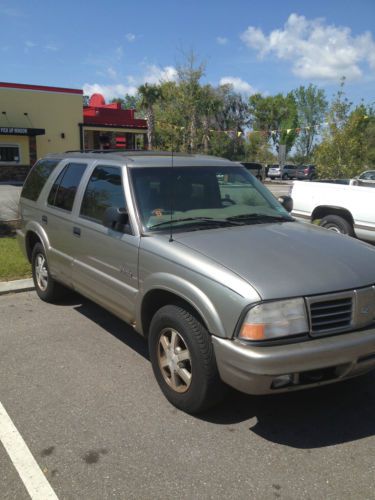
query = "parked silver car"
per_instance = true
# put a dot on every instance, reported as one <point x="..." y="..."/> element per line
<point x="201" y="259"/>
<point x="286" y="172"/>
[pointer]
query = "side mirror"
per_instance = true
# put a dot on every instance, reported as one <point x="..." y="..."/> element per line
<point x="286" y="202"/>
<point x="117" y="219"/>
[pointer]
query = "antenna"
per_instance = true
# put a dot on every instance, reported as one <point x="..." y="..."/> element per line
<point x="171" y="225"/>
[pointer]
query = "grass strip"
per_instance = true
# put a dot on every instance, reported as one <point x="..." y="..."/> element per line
<point x="13" y="264"/>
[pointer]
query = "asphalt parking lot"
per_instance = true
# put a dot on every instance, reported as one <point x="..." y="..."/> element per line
<point x="78" y="386"/>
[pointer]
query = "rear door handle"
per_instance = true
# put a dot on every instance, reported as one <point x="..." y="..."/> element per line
<point x="76" y="231"/>
<point x="45" y="219"/>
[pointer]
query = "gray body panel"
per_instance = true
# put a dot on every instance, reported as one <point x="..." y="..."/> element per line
<point x="287" y="259"/>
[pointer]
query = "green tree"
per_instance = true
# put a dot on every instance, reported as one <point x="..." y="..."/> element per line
<point x="311" y="109"/>
<point x="276" y="116"/>
<point x="127" y="102"/>
<point x="346" y="149"/>
<point x="189" y="98"/>
<point x="149" y="95"/>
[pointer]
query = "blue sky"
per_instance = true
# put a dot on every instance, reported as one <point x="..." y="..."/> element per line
<point x="268" y="46"/>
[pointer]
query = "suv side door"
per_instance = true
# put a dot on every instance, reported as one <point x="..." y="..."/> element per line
<point x="105" y="264"/>
<point x="56" y="217"/>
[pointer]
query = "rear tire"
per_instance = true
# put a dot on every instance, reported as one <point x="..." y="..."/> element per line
<point x="45" y="286"/>
<point x="183" y="360"/>
<point x="337" y="224"/>
<point x="285" y="177"/>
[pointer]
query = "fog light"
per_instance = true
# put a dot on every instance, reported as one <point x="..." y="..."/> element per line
<point x="282" y="381"/>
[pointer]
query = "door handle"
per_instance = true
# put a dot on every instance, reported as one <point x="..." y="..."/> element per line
<point x="45" y="219"/>
<point x="76" y="231"/>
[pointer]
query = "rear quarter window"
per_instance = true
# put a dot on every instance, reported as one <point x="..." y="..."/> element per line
<point x="37" y="178"/>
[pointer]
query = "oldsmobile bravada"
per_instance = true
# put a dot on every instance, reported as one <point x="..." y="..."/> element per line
<point x="202" y="260"/>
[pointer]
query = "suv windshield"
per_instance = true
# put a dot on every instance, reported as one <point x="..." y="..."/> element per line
<point x="202" y="197"/>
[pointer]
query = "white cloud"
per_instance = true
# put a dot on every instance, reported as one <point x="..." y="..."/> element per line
<point x="238" y="84"/>
<point x="109" y="91"/>
<point x="317" y="50"/>
<point x="221" y="40"/>
<point x="130" y="37"/>
<point x="51" y="47"/>
<point x="155" y="74"/>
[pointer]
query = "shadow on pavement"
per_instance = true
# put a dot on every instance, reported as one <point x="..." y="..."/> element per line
<point x="313" y="418"/>
<point x="113" y="325"/>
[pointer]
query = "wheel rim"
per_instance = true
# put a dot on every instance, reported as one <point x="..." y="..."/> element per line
<point x="41" y="272"/>
<point x="174" y="360"/>
<point x="335" y="229"/>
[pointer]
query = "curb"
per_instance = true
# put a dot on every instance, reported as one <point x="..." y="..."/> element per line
<point x="16" y="286"/>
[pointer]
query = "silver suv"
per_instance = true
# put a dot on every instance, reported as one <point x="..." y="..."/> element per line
<point x="180" y="247"/>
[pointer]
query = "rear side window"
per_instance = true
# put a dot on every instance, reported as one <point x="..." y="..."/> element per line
<point x="37" y="178"/>
<point x="64" y="189"/>
<point x="103" y="190"/>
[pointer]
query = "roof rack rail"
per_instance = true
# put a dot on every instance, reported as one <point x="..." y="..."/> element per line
<point x="117" y="150"/>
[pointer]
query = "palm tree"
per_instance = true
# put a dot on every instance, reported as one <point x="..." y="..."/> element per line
<point x="149" y="95"/>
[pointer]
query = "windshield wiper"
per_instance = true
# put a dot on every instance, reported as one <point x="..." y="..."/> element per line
<point x="204" y="220"/>
<point x="261" y="217"/>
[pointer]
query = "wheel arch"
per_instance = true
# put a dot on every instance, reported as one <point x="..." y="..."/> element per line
<point x="324" y="210"/>
<point x="184" y="294"/>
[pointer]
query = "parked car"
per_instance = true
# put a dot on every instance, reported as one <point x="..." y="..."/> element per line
<point x="200" y="258"/>
<point x="286" y="172"/>
<point x="365" y="179"/>
<point x="307" y="172"/>
<point x="336" y="205"/>
<point x="255" y="168"/>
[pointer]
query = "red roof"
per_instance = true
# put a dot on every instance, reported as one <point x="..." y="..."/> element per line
<point x="110" y="115"/>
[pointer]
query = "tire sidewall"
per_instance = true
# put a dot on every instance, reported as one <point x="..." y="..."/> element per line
<point x="335" y="221"/>
<point x="192" y="400"/>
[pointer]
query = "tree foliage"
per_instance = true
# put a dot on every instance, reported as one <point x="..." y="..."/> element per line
<point x="189" y="115"/>
<point x="311" y="109"/>
<point x="348" y="146"/>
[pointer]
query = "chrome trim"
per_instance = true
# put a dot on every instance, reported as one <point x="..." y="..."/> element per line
<point x="362" y="310"/>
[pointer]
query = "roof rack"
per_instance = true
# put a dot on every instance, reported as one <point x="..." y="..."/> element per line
<point x="141" y="152"/>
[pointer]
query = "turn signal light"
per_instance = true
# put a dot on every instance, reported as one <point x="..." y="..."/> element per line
<point x="252" y="332"/>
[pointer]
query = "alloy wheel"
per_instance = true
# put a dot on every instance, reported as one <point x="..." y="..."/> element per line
<point x="174" y="360"/>
<point x="41" y="272"/>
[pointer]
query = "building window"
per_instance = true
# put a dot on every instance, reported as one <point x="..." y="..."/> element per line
<point x="9" y="153"/>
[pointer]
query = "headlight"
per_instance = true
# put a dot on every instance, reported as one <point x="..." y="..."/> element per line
<point x="272" y="320"/>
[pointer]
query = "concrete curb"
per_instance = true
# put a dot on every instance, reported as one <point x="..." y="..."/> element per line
<point x="16" y="286"/>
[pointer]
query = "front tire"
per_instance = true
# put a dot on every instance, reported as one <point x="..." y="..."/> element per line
<point x="45" y="286"/>
<point x="183" y="360"/>
<point x="337" y="224"/>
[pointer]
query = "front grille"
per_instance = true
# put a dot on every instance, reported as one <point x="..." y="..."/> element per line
<point x="341" y="311"/>
<point x="330" y="315"/>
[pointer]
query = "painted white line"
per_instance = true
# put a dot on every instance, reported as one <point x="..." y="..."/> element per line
<point x="32" y="477"/>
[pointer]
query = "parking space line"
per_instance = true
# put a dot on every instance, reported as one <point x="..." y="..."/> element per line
<point x="29" y="471"/>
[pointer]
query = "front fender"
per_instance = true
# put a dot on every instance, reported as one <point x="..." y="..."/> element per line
<point x="187" y="291"/>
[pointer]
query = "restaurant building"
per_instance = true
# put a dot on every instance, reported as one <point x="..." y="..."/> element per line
<point x="36" y="120"/>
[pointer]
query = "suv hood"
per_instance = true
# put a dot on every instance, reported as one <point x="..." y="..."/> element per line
<point x="287" y="259"/>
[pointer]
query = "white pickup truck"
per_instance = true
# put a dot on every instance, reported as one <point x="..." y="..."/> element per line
<point x="344" y="208"/>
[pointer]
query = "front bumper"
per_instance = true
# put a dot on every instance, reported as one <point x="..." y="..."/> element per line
<point x="269" y="369"/>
